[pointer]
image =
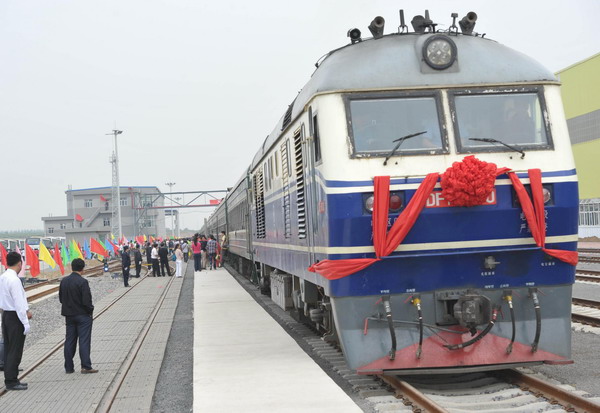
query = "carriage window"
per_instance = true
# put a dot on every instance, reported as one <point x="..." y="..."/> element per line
<point x="512" y="118"/>
<point x="376" y="123"/>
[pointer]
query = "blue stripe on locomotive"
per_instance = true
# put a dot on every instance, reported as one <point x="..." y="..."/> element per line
<point x="344" y="223"/>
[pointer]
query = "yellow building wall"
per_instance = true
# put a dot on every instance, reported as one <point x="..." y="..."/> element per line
<point x="581" y="95"/>
<point x="587" y="162"/>
<point x="581" y="87"/>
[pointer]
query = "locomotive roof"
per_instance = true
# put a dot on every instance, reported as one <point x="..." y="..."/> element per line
<point x="395" y="61"/>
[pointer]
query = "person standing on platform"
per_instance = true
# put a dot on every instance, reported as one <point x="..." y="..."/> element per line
<point x="15" y="320"/>
<point x="185" y="248"/>
<point x="126" y="264"/>
<point x="211" y="249"/>
<point x="148" y="254"/>
<point x="155" y="264"/>
<point x="163" y="254"/>
<point x="197" y="251"/>
<point x="224" y="247"/>
<point x="76" y="298"/>
<point x="137" y="257"/>
<point x="178" y="260"/>
<point x="203" y="242"/>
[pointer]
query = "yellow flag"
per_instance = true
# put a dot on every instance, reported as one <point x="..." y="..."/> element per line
<point x="112" y="236"/>
<point x="75" y="251"/>
<point x="45" y="255"/>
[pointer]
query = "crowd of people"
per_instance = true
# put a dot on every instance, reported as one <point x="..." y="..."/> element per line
<point x="76" y="298"/>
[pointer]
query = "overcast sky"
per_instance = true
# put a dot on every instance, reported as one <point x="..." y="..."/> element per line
<point x="195" y="85"/>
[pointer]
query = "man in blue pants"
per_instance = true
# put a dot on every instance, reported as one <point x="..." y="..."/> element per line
<point x="76" y="298"/>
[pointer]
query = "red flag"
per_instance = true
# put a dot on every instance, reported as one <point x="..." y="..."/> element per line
<point x="96" y="248"/>
<point x="139" y="239"/>
<point x="32" y="260"/>
<point x="58" y="259"/>
<point x="102" y="198"/>
<point x="3" y="255"/>
<point x="78" y="218"/>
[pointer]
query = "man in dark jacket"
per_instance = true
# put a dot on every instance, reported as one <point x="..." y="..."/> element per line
<point x="163" y="254"/>
<point x="149" y="253"/>
<point x="137" y="257"/>
<point x="126" y="263"/>
<point x="76" y="298"/>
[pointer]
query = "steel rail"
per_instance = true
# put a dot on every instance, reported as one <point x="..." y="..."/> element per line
<point x="553" y="393"/>
<point x="61" y="343"/>
<point x="412" y="395"/>
<point x="591" y="278"/>
<point x="586" y="303"/>
<point x="105" y="404"/>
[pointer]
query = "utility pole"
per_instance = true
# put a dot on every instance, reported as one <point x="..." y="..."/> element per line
<point x="115" y="220"/>
<point x="170" y="185"/>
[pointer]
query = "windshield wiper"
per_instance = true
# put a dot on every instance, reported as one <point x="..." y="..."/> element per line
<point x="400" y="140"/>
<point x="490" y="140"/>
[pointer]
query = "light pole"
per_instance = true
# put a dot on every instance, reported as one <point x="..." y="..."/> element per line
<point x="178" y="222"/>
<point x="116" y="189"/>
<point x="170" y="185"/>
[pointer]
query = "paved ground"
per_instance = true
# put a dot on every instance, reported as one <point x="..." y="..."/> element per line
<point x="174" y="389"/>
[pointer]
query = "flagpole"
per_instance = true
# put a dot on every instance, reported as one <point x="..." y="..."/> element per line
<point x="117" y="202"/>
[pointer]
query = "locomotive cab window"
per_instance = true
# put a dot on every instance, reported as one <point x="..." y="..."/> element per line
<point x="376" y="122"/>
<point x="487" y="122"/>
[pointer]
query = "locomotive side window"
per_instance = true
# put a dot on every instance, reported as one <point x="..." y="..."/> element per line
<point x="377" y="123"/>
<point x="484" y="122"/>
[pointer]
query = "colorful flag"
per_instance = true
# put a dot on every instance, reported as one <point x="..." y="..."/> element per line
<point x="64" y="254"/>
<point x="102" y="198"/>
<point x="78" y="218"/>
<point x="45" y="255"/>
<point x="98" y="248"/>
<point x="75" y="251"/>
<point x="58" y="259"/>
<point x="145" y="238"/>
<point x="114" y="247"/>
<point x="32" y="260"/>
<point x="3" y="254"/>
<point x="22" y="272"/>
<point x="112" y="236"/>
<point x="151" y="239"/>
<point x="86" y="250"/>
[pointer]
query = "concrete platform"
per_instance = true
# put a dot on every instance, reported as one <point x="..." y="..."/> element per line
<point x="244" y="360"/>
<point x="114" y="334"/>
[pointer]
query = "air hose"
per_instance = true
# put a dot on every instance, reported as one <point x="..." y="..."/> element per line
<point x="479" y="336"/>
<point x="508" y="298"/>
<point x="538" y="319"/>
<point x="388" y="314"/>
<point x="417" y="303"/>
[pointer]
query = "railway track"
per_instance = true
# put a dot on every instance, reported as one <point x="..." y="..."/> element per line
<point x="44" y="288"/>
<point x="503" y="390"/>
<point x="586" y="312"/>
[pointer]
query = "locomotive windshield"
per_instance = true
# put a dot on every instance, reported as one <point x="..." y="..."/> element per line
<point x="515" y="119"/>
<point x="377" y="123"/>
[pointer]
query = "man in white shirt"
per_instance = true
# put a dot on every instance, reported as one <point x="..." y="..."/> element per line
<point x="15" y="320"/>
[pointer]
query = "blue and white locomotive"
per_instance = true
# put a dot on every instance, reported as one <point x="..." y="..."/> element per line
<point x="468" y="288"/>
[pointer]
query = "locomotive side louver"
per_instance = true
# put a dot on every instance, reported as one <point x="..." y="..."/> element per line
<point x="300" y="193"/>
<point x="285" y="174"/>
<point x="259" y="201"/>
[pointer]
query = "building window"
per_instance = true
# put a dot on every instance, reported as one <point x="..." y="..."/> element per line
<point x="88" y="203"/>
<point x="148" y="222"/>
<point x="147" y="201"/>
<point x="50" y="230"/>
<point x="123" y="201"/>
<point x="106" y="222"/>
<point x="63" y="226"/>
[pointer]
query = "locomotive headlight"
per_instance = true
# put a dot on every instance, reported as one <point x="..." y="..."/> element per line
<point x="547" y="195"/>
<point x="369" y="202"/>
<point x="439" y="52"/>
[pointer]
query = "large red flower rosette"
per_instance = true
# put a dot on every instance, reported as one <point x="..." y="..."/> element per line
<point x="469" y="182"/>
